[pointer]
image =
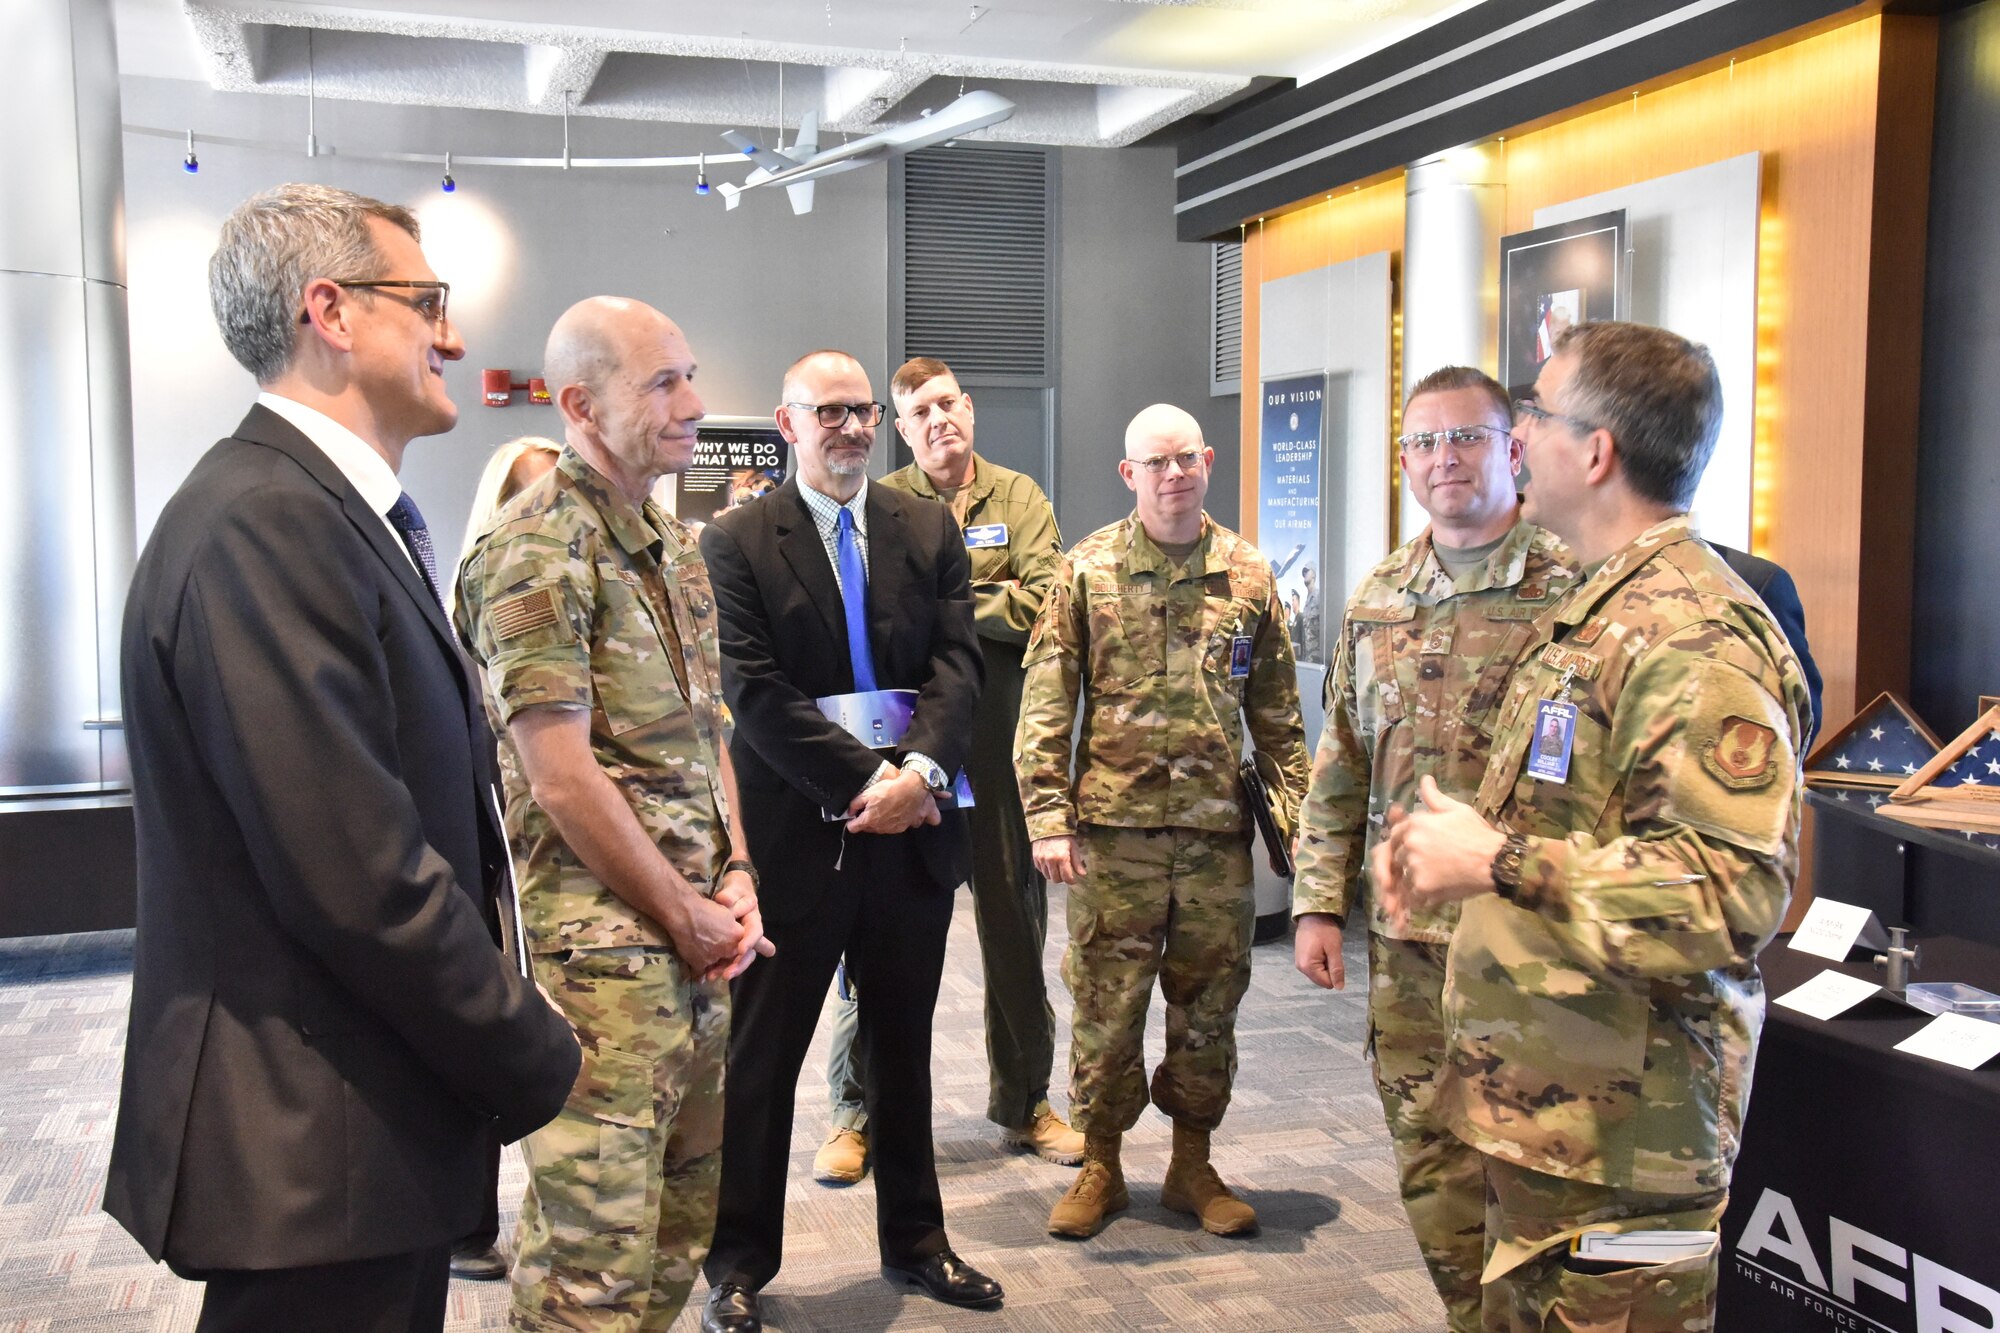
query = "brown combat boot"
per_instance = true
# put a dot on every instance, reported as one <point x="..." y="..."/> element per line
<point x="1097" y="1192"/>
<point x="1193" y="1187"/>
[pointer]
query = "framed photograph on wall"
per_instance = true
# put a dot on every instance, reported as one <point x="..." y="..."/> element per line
<point x="1551" y="279"/>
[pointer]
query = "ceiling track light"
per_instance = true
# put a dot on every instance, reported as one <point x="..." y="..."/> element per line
<point x="190" y="164"/>
<point x="565" y="129"/>
<point x="447" y="184"/>
<point x="701" y="174"/>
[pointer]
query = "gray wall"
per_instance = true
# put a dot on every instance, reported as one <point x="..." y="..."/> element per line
<point x="753" y="288"/>
<point x="1956" y="650"/>
<point x="1134" y="331"/>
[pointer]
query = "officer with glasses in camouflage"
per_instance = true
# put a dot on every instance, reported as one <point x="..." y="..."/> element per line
<point x="1427" y="644"/>
<point x="1165" y="632"/>
<point x="1628" y="852"/>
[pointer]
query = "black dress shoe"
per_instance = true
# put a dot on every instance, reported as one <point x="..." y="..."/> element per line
<point x="946" y="1277"/>
<point x="478" y="1263"/>
<point x="731" y="1308"/>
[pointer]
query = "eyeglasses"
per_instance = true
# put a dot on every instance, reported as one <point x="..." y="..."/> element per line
<point x="431" y="305"/>
<point x="832" y="416"/>
<point x="1189" y="460"/>
<point x="1465" y="439"/>
<point x="1535" y="412"/>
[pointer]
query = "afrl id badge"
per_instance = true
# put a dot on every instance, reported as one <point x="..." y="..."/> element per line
<point x="1239" y="657"/>
<point x="1555" y="732"/>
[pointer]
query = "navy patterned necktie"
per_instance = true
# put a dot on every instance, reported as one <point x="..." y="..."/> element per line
<point x="409" y="523"/>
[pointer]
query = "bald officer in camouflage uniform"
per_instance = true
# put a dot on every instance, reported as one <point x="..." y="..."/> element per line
<point x="1012" y="539"/>
<point x="1164" y="630"/>
<point x="589" y="612"/>
<point x="1618" y="881"/>
<point x="1430" y="638"/>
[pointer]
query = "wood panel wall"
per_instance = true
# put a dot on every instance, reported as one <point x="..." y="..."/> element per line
<point x="1843" y="120"/>
<point x="1361" y="220"/>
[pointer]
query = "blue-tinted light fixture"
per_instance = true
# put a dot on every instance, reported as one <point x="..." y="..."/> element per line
<point x="447" y="184"/>
<point x="701" y="173"/>
<point x="190" y="164"/>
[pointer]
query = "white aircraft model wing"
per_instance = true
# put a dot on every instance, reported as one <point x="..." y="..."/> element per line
<point x="974" y="111"/>
<point x="751" y="149"/>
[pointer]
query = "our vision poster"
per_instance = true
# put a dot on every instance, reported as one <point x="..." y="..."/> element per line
<point x="1288" y="514"/>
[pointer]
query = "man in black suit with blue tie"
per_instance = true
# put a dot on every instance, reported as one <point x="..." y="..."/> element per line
<point x="324" y="1036"/>
<point x="831" y="586"/>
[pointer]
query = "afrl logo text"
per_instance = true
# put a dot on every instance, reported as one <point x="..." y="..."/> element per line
<point x="1778" y="1253"/>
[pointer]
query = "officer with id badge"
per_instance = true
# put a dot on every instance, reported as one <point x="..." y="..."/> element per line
<point x="1631" y="848"/>
<point x="1011" y="537"/>
<point x="1164" y="633"/>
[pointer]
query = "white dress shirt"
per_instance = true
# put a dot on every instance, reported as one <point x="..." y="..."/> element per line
<point x="367" y="471"/>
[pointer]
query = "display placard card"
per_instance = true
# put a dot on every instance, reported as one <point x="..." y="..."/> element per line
<point x="1956" y="1040"/>
<point x="1829" y="994"/>
<point x="1830" y="929"/>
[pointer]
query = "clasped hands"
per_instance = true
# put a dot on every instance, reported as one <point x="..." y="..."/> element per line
<point x="893" y="805"/>
<point x="718" y="937"/>
<point x="1440" y="852"/>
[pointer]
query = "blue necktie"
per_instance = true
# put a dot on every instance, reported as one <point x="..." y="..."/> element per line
<point x="854" y="592"/>
<point x="409" y="523"/>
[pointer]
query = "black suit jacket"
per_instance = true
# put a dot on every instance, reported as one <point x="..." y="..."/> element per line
<point x="1769" y="581"/>
<point x="323" y="1032"/>
<point x="783" y="636"/>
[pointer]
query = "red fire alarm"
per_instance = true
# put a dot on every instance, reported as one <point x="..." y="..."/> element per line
<point x="498" y="387"/>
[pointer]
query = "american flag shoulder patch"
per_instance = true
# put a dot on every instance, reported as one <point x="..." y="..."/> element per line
<point x="523" y="612"/>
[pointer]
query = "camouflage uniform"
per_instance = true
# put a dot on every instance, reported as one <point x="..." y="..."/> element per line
<point x="1603" y="1020"/>
<point x="577" y="600"/>
<point x="1421" y="661"/>
<point x="1144" y="649"/>
<point x="1010" y="901"/>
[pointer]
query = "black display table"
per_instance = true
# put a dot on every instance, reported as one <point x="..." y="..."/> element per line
<point x="1847" y="1136"/>
<point x="1941" y="881"/>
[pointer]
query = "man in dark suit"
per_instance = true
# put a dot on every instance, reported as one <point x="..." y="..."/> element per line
<point x="829" y="586"/>
<point x="1770" y="582"/>
<point x="323" y="1034"/>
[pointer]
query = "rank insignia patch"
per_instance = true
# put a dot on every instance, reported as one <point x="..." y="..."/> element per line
<point x="517" y="615"/>
<point x="1740" y="756"/>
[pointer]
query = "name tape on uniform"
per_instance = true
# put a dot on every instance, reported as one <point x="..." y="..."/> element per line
<point x="985" y="534"/>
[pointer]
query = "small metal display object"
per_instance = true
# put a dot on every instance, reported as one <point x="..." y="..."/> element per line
<point x="1899" y="960"/>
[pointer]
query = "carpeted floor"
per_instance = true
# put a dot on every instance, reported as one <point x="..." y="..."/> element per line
<point x="1304" y="1141"/>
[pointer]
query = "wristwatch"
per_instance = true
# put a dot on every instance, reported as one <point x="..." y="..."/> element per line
<point x="1506" y="867"/>
<point x="746" y="868"/>
<point x="927" y="769"/>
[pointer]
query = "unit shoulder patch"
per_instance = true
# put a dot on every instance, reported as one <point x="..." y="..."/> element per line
<point x="1740" y="755"/>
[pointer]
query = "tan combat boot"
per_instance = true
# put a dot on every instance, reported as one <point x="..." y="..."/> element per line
<point x="1098" y="1191"/>
<point x="1048" y="1137"/>
<point x="843" y="1158"/>
<point x="1193" y="1187"/>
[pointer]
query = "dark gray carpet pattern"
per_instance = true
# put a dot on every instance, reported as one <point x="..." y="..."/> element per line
<point x="1303" y="1141"/>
